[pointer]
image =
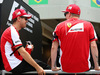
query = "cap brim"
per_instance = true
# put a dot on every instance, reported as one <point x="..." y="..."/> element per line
<point x="63" y="11"/>
<point x="28" y="16"/>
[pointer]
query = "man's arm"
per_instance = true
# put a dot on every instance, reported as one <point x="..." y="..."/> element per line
<point x="94" y="51"/>
<point x="54" y="55"/>
<point x="26" y="56"/>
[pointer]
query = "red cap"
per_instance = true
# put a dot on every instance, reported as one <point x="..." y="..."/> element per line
<point x="73" y="8"/>
<point x="20" y="12"/>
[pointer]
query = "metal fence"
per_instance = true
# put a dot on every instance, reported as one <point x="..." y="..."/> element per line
<point x="3" y="72"/>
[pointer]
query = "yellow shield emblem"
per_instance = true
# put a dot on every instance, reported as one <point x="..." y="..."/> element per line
<point x="69" y="25"/>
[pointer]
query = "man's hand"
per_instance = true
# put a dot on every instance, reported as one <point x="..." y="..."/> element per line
<point x="40" y="71"/>
<point x="26" y="56"/>
<point x="55" y="68"/>
<point x="97" y="68"/>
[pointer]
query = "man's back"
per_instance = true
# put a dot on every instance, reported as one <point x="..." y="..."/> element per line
<point x="74" y="38"/>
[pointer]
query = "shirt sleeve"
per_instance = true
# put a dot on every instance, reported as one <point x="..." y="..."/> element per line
<point x="15" y="38"/>
<point x="56" y="34"/>
<point x="93" y="36"/>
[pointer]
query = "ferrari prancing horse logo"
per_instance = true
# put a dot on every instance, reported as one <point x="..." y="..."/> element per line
<point x="69" y="25"/>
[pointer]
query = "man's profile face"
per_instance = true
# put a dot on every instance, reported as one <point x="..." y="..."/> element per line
<point x="23" y="21"/>
<point x="66" y="14"/>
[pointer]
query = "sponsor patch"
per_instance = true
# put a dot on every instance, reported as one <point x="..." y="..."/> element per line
<point x="77" y="28"/>
<point x="17" y="41"/>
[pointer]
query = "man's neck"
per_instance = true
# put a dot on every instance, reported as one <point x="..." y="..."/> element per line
<point x="17" y="26"/>
<point x="74" y="17"/>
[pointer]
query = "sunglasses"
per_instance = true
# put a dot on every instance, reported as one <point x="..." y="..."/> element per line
<point x="24" y="17"/>
<point x="65" y="13"/>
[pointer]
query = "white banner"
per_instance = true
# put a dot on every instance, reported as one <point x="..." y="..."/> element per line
<point x="1" y="1"/>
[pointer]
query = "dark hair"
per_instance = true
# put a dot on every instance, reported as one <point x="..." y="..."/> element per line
<point x="72" y="14"/>
<point x="14" y="20"/>
<point x="75" y="15"/>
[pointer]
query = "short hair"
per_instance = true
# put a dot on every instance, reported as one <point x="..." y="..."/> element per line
<point x="14" y="20"/>
<point x="75" y="15"/>
<point x="72" y="14"/>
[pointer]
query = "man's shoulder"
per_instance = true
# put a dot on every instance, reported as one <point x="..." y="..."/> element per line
<point x="7" y="30"/>
<point x="85" y="22"/>
<point x="61" y="23"/>
<point x="6" y="33"/>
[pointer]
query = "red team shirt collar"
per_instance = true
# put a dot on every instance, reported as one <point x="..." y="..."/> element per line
<point x="16" y="29"/>
<point x="72" y="19"/>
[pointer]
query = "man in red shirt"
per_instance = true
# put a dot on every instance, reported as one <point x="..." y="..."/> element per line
<point x="12" y="50"/>
<point x="75" y="38"/>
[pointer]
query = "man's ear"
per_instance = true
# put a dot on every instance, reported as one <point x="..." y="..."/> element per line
<point x="69" y="14"/>
<point x="18" y="18"/>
